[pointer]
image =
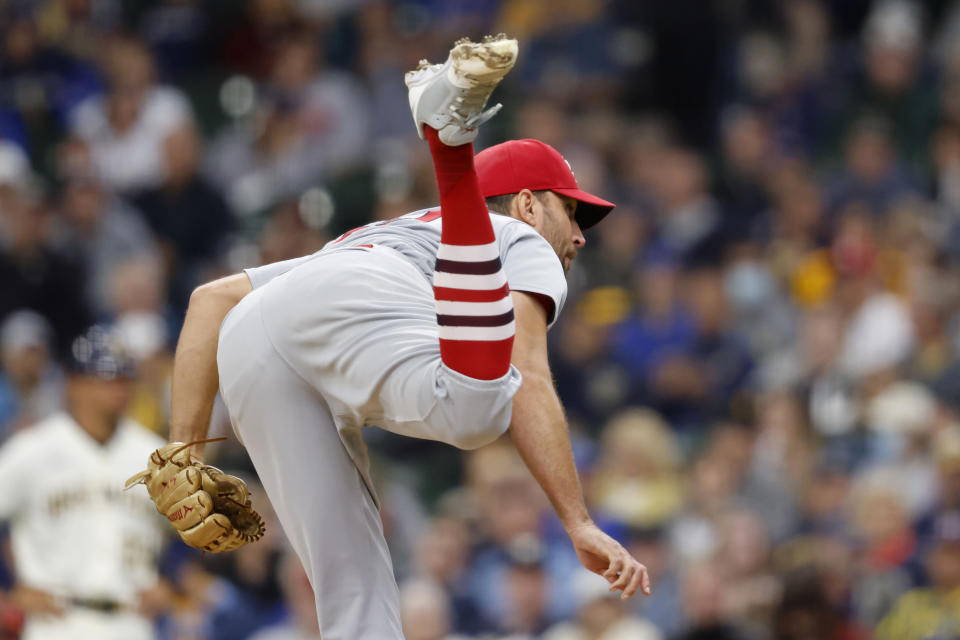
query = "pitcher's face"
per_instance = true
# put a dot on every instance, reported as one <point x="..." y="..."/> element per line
<point x="559" y="227"/>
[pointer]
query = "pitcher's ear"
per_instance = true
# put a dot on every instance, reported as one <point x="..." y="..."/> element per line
<point x="524" y="206"/>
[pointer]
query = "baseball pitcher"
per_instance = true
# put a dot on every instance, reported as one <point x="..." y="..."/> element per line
<point x="431" y="325"/>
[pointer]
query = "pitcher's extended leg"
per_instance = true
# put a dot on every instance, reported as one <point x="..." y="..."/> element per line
<point x="474" y="308"/>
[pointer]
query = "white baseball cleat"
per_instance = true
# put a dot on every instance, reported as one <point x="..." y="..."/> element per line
<point x="450" y="97"/>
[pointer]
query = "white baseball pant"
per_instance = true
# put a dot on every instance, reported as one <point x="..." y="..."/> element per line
<point x="345" y="340"/>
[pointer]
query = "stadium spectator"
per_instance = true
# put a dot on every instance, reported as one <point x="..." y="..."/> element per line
<point x="659" y="329"/>
<point x="512" y="511"/>
<point x="635" y="480"/>
<point x="703" y="604"/>
<point x="751" y="590"/>
<point x="39" y="83"/>
<point x="601" y="616"/>
<point x="179" y="34"/>
<point x="311" y="124"/>
<point x="188" y="216"/>
<point x="945" y="453"/>
<point x="145" y="337"/>
<point x="526" y="589"/>
<point x="880" y="523"/>
<point x="31" y="385"/>
<point x="126" y="126"/>
<point x="100" y="231"/>
<point x="871" y="173"/>
<point x="894" y="82"/>
<point x="201" y="600"/>
<point x="77" y="28"/>
<point x="923" y="612"/>
<point x="688" y="219"/>
<point x="302" y="622"/>
<point x="250" y="44"/>
<point x="664" y="607"/>
<point x="33" y="273"/>
<point x="592" y="383"/>
<point x="805" y="613"/>
<point x="749" y="156"/>
<point x="441" y="558"/>
<point x="425" y="611"/>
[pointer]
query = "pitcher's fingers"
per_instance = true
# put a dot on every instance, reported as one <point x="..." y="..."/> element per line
<point x="646" y="581"/>
<point x="635" y="582"/>
<point x="626" y="575"/>
<point x="611" y="574"/>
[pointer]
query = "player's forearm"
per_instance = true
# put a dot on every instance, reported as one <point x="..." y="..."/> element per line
<point x="195" y="376"/>
<point x="539" y="431"/>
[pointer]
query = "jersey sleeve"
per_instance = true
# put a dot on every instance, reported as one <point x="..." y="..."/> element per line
<point x="260" y="276"/>
<point x="531" y="265"/>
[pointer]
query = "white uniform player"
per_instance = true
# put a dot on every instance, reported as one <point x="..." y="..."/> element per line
<point x="79" y="540"/>
<point x="409" y="325"/>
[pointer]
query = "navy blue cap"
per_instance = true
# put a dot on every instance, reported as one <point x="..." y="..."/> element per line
<point x="98" y="353"/>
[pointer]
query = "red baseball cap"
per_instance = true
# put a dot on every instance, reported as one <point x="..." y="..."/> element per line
<point x="515" y="165"/>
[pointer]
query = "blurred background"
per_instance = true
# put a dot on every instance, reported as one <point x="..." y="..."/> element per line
<point x="758" y="356"/>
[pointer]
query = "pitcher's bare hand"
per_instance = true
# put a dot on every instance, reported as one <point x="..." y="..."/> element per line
<point x="603" y="555"/>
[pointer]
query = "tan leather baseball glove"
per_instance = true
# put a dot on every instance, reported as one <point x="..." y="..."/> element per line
<point x="209" y="509"/>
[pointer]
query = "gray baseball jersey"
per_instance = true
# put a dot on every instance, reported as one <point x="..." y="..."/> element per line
<point x="529" y="262"/>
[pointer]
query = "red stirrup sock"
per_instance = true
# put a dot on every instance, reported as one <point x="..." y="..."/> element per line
<point x="474" y="308"/>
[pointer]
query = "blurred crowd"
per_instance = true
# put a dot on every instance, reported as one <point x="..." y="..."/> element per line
<point x="758" y="356"/>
